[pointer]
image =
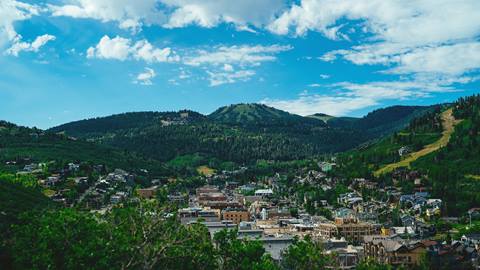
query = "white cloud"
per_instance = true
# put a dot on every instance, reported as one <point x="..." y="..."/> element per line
<point x="239" y="55"/>
<point x="19" y="46"/>
<point x="350" y="97"/>
<point x="324" y="76"/>
<point x="414" y="22"/>
<point x="226" y="65"/>
<point x="111" y="48"/>
<point x="129" y="14"/>
<point x="143" y="50"/>
<point x="12" y="11"/>
<point x="219" y="78"/>
<point x="122" y="49"/>
<point x="438" y="37"/>
<point x="133" y="14"/>
<point x="145" y="78"/>
<point x="210" y="13"/>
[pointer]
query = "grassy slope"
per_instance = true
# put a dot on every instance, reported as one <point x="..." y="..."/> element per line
<point x="449" y="123"/>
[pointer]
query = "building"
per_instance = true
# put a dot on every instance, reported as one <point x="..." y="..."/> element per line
<point x="206" y="189"/>
<point x="147" y="193"/>
<point x="393" y="251"/>
<point x="349" y="228"/>
<point x="346" y="256"/>
<point x="216" y="226"/>
<point x="264" y="192"/>
<point x="192" y="214"/>
<point x="326" y="166"/>
<point x="275" y="246"/>
<point x="236" y="215"/>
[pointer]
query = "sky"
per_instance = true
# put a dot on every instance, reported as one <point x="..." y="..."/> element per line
<point x="66" y="60"/>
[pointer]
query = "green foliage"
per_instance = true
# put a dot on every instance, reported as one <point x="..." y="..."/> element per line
<point x="305" y="255"/>
<point x="240" y="133"/>
<point x="19" y="143"/>
<point x="133" y="237"/>
<point x="372" y="265"/>
<point x="18" y="194"/>
<point x="63" y="239"/>
<point x="448" y="168"/>
<point x="241" y="254"/>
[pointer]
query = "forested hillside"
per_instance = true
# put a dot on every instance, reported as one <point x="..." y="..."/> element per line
<point x="451" y="173"/>
<point x="241" y="133"/>
<point x="21" y="145"/>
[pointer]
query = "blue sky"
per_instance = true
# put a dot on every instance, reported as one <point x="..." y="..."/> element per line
<point x="67" y="60"/>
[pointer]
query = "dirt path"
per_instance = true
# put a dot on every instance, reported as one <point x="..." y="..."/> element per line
<point x="449" y="123"/>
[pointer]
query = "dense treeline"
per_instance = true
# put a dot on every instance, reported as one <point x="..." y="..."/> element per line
<point x="101" y="125"/>
<point x="241" y="133"/>
<point x="232" y="143"/>
<point x="24" y="145"/>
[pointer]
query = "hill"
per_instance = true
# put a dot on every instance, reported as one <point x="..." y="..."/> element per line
<point x="101" y="126"/>
<point x="443" y="148"/>
<point x="321" y="116"/>
<point x="383" y="121"/>
<point x="448" y="122"/>
<point x="21" y="144"/>
<point x="241" y="133"/>
<point x="255" y="114"/>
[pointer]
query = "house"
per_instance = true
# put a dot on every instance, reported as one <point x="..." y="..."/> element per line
<point x="264" y="192"/>
<point x="404" y="150"/>
<point x="118" y="197"/>
<point x="326" y="166"/>
<point x="346" y="256"/>
<point x="30" y="167"/>
<point x="393" y="251"/>
<point x="80" y="180"/>
<point x="147" y="193"/>
<point x="73" y="167"/>
<point x="52" y="180"/>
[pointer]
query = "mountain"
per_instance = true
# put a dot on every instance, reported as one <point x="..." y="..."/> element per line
<point x="259" y="115"/>
<point x="240" y="133"/>
<point x="321" y="116"/>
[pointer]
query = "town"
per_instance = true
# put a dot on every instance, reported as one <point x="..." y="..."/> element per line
<point x="354" y="219"/>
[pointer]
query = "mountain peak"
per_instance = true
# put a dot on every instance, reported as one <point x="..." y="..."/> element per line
<point x="252" y="113"/>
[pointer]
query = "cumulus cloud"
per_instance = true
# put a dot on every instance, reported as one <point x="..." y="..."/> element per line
<point x="19" y="46"/>
<point x="420" y="37"/>
<point x="120" y="48"/>
<point x="145" y="78"/>
<point x="210" y="13"/>
<point x="133" y="14"/>
<point x="129" y="14"/>
<point x="12" y="11"/>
